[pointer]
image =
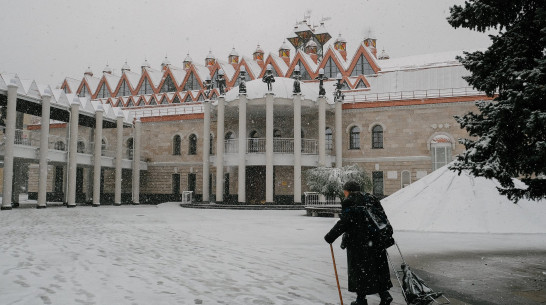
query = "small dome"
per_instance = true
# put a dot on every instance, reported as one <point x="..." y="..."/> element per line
<point x="145" y="64"/>
<point x="383" y="55"/>
<point x="233" y="52"/>
<point x="88" y="71"/>
<point x="188" y="58"/>
<point x="210" y="55"/>
<point x="166" y="62"/>
<point x="125" y="67"/>
<point x="340" y="39"/>
<point x="107" y="69"/>
<point x="284" y="46"/>
<point x="259" y="49"/>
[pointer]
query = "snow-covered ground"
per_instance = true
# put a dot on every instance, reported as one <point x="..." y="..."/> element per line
<point x="171" y="255"/>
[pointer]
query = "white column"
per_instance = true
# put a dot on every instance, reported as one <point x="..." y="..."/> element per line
<point x="119" y="157"/>
<point x="220" y="150"/>
<point x="242" y="149"/>
<point x="206" y="151"/>
<point x="72" y="151"/>
<point x="339" y="135"/>
<point x="97" y="156"/>
<point x="297" y="148"/>
<point x="9" y="145"/>
<point x="269" y="148"/>
<point x="322" y="131"/>
<point x="136" y="162"/>
<point x="44" y="137"/>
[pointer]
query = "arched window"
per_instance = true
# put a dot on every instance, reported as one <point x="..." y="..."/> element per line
<point x="329" y="143"/>
<point x="176" y="145"/>
<point x="354" y="138"/>
<point x="377" y="136"/>
<point x="81" y="147"/>
<point x="440" y="148"/>
<point x="130" y="148"/>
<point x="59" y="145"/>
<point x="193" y="144"/>
<point x="406" y="178"/>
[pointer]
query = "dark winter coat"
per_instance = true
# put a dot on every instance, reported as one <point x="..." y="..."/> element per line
<point x="368" y="268"/>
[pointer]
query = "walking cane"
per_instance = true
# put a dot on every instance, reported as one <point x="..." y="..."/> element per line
<point x="335" y="270"/>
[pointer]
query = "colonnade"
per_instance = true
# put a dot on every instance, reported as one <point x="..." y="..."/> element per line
<point x="269" y="149"/>
<point x="9" y="158"/>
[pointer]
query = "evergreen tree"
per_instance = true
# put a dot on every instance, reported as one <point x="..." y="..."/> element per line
<point x="508" y="135"/>
<point x="328" y="181"/>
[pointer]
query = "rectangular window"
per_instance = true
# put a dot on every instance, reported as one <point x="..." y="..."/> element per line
<point x="192" y="179"/>
<point x="377" y="183"/>
<point x="441" y="155"/>
<point x="176" y="184"/>
<point x="59" y="177"/>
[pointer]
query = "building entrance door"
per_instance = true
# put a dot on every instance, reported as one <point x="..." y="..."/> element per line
<point x="255" y="184"/>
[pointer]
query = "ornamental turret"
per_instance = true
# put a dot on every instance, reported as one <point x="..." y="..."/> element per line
<point x="187" y="62"/>
<point x="284" y="53"/>
<point x="88" y="72"/>
<point x="210" y="60"/>
<point x="371" y="43"/>
<point x="166" y="62"/>
<point x="107" y="69"/>
<point x="258" y="55"/>
<point x="233" y="57"/>
<point x="125" y="67"/>
<point x="383" y="55"/>
<point x="145" y="64"/>
<point x="311" y="49"/>
<point x="340" y="44"/>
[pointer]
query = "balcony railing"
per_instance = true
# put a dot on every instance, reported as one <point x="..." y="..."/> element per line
<point x="410" y="95"/>
<point x="280" y="145"/>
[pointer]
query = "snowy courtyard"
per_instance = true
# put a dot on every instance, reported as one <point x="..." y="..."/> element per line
<point x="166" y="254"/>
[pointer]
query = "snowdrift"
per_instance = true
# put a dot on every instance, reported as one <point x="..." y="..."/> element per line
<point x="443" y="201"/>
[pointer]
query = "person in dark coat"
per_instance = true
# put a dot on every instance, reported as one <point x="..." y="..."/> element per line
<point x="367" y="266"/>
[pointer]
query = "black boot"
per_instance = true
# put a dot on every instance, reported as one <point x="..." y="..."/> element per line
<point x="360" y="301"/>
<point x="386" y="298"/>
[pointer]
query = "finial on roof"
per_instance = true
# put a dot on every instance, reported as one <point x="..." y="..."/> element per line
<point x="383" y="55"/>
<point x="166" y="62"/>
<point x="88" y="71"/>
<point x="107" y="69"/>
<point x="125" y="67"/>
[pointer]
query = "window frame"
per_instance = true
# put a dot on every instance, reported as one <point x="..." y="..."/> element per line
<point x="354" y="138"/>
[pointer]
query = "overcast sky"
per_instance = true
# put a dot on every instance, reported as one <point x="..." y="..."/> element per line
<point x="47" y="40"/>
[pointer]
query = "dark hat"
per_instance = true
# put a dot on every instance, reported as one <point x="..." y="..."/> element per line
<point x="351" y="186"/>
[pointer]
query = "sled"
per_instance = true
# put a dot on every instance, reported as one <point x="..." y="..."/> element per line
<point x="414" y="289"/>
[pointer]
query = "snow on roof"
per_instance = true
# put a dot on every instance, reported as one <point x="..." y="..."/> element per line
<point x="112" y="80"/>
<point x="73" y="84"/>
<point x="253" y="66"/>
<point x="93" y="83"/>
<point x="202" y="71"/>
<point x="420" y="61"/>
<point x="446" y="77"/>
<point x="155" y="76"/>
<point x="446" y="202"/>
<point x="344" y="63"/>
<point x="178" y="74"/>
<point x="280" y="63"/>
<point x="309" y="61"/>
<point x="229" y="71"/>
<point x="133" y="78"/>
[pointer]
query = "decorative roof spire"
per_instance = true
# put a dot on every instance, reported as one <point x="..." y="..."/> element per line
<point x="125" y="67"/>
<point x="88" y="71"/>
